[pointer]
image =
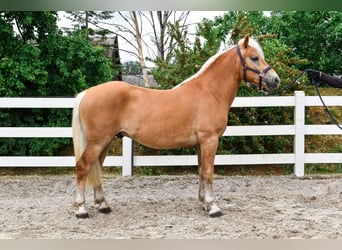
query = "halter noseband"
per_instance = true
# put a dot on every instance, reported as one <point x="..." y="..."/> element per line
<point x="245" y="68"/>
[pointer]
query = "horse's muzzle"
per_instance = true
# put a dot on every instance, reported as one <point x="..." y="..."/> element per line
<point x="272" y="82"/>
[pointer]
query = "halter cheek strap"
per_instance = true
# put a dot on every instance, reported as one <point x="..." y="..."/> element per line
<point x="245" y="68"/>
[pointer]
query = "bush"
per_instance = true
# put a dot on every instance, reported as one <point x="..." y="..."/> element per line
<point x="48" y="65"/>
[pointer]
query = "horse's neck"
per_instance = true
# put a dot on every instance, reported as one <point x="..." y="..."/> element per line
<point x="222" y="80"/>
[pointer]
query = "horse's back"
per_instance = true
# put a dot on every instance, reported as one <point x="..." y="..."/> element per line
<point x="106" y="95"/>
<point x="152" y="117"/>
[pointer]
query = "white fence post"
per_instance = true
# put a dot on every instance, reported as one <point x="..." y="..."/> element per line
<point x="127" y="156"/>
<point x="299" y="140"/>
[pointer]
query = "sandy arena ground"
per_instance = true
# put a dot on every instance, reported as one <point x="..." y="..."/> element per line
<point x="159" y="207"/>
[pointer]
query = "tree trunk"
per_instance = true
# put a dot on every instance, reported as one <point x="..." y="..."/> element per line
<point x="140" y="48"/>
<point x="116" y="60"/>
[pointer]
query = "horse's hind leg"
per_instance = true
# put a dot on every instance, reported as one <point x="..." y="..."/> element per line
<point x="100" y="200"/>
<point x="99" y="197"/>
<point x="82" y="169"/>
<point x="87" y="163"/>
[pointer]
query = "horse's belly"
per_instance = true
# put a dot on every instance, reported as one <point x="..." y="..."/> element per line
<point x="166" y="139"/>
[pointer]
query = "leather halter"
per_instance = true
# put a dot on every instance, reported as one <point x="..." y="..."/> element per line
<point x="245" y="68"/>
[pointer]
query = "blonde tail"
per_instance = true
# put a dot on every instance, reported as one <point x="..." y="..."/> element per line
<point x="79" y="140"/>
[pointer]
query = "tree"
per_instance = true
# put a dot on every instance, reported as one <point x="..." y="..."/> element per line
<point x="131" y="68"/>
<point x="128" y="26"/>
<point x="164" y="44"/>
<point x="178" y="65"/>
<point x="100" y="19"/>
<point x="315" y="35"/>
<point x="40" y="61"/>
<point x="226" y="30"/>
<point x="159" y="21"/>
<point x="88" y="21"/>
<point x="116" y="60"/>
<point x="135" y="21"/>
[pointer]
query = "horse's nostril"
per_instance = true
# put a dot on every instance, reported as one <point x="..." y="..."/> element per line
<point x="277" y="80"/>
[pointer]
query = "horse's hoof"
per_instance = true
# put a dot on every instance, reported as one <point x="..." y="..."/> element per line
<point x="103" y="207"/>
<point x="82" y="216"/>
<point x="215" y="211"/>
<point x="215" y="214"/>
<point x="105" y="210"/>
<point x="82" y="212"/>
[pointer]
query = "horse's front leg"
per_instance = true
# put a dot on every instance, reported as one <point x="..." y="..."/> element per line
<point x="201" y="193"/>
<point x="206" y="171"/>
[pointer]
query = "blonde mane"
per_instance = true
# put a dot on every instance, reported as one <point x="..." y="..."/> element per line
<point x="204" y="67"/>
<point x="251" y="42"/>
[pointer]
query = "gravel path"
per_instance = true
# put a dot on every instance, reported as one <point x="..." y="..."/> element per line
<point x="276" y="207"/>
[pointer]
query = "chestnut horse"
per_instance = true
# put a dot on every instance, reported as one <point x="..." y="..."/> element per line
<point x="193" y="113"/>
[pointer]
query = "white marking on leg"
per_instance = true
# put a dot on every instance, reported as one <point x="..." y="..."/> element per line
<point x="201" y="193"/>
<point x="98" y="194"/>
<point x="209" y="197"/>
<point x="214" y="210"/>
<point x="79" y="199"/>
<point x="100" y="201"/>
<point x="103" y="207"/>
<point x="80" y="202"/>
<point x="209" y="203"/>
<point x="82" y="212"/>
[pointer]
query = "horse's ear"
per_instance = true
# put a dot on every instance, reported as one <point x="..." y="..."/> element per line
<point x="245" y="42"/>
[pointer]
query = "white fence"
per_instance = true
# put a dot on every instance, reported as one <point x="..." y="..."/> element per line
<point x="299" y="129"/>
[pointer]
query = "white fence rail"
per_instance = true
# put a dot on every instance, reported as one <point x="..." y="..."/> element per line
<point x="299" y="129"/>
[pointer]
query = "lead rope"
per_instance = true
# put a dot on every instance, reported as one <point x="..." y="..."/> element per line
<point x="332" y="117"/>
<point x="287" y="86"/>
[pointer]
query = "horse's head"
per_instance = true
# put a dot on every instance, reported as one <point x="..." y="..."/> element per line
<point x="254" y="68"/>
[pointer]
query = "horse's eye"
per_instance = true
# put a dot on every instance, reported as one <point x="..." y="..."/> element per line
<point x="255" y="59"/>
